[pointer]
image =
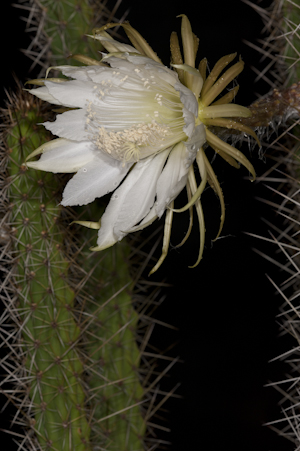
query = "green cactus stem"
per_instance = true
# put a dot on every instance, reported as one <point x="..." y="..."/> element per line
<point x="48" y="331"/>
<point x="115" y="391"/>
<point x="59" y="30"/>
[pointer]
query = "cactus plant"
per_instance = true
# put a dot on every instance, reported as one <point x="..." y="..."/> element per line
<point x="281" y="48"/>
<point x="74" y="360"/>
<point x="93" y="311"/>
<point x="48" y="330"/>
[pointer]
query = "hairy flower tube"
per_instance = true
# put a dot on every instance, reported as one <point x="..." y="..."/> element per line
<point x="134" y="127"/>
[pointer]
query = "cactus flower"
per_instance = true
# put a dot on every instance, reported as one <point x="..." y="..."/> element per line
<point x="135" y="127"/>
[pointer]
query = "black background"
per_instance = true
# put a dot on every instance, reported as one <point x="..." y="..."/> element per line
<point x="225" y="308"/>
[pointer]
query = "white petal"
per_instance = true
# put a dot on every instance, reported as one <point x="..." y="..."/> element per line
<point x="124" y="78"/>
<point x="173" y="177"/>
<point x="141" y="197"/>
<point x="70" y="125"/>
<point x="111" y="45"/>
<point x="143" y="67"/>
<point x="95" y="179"/>
<point x="132" y="201"/>
<point x="187" y="98"/>
<point x="64" y="156"/>
<point x="189" y="120"/>
<point x="74" y="93"/>
<point x="197" y="140"/>
<point x="80" y="73"/>
<point x="44" y="94"/>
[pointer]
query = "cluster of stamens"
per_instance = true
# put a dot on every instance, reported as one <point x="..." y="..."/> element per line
<point x="127" y="145"/>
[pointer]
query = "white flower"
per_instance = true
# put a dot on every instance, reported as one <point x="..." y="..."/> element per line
<point x="134" y="128"/>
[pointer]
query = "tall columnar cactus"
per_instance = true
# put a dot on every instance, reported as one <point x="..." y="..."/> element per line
<point x="48" y="330"/>
<point x="74" y="360"/>
<point x="58" y="344"/>
<point x="282" y="46"/>
<point x="108" y="323"/>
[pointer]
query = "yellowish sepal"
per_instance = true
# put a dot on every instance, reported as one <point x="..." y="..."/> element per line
<point x="226" y="110"/>
<point x="216" y="70"/>
<point x="225" y="156"/>
<point x="189" y="195"/>
<point x="101" y="248"/>
<point x="135" y="37"/>
<point x="176" y="54"/>
<point x="231" y="151"/>
<point x="188" y="45"/>
<point x="142" y="226"/>
<point x="121" y="55"/>
<point x="166" y="240"/>
<point x="208" y="97"/>
<point x="202" y="69"/>
<point x="196" y="81"/>
<point x="44" y="148"/>
<point x="227" y="98"/>
<point x="193" y="186"/>
<point x="53" y="67"/>
<point x="217" y="188"/>
<point x="187" y="41"/>
<point x="88" y="224"/>
<point x="197" y="193"/>
<point x="41" y="81"/>
<point x="86" y="60"/>
<point x="231" y="124"/>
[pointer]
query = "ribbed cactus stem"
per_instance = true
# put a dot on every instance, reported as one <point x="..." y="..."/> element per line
<point x="81" y="377"/>
<point x="59" y="29"/>
<point x="66" y="25"/>
<point x="46" y="302"/>
<point x="290" y="26"/>
<point x="116" y="388"/>
<point x="282" y="107"/>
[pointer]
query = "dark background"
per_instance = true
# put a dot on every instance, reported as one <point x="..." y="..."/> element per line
<point x="225" y="308"/>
